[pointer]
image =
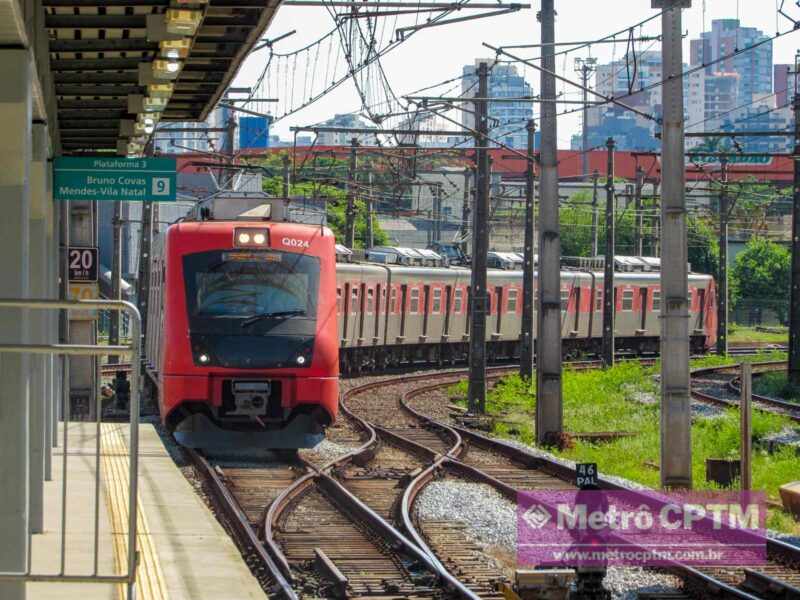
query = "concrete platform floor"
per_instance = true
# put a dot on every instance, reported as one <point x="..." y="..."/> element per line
<point x="184" y="552"/>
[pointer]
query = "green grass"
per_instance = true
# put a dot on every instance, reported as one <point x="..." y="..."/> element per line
<point x="776" y="385"/>
<point x="741" y="334"/>
<point x="599" y="400"/>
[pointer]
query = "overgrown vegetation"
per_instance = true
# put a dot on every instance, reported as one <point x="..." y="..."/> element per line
<point x="308" y="183"/>
<point x="626" y="399"/>
<point x="771" y="335"/>
<point x="776" y="385"/>
<point x="760" y="279"/>
<point x="576" y="233"/>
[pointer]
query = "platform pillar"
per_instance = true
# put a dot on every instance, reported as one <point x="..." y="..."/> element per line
<point x="39" y="363"/>
<point x="15" y="159"/>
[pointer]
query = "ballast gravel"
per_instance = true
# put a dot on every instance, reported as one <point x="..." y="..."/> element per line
<point x="491" y="521"/>
<point x="326" y="451"/>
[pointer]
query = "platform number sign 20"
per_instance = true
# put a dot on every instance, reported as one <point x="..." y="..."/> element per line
<point x="586" y="475"/>
<point x="82" y="264"/>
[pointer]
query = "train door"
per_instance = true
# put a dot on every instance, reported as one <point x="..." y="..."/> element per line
<point x="379" y="289"/>
<point x="498" y="294"/>
<point x="448" y="301"/>
<point x="701" y="311"/>
<point x="426" y="310"/>
<point x="469" y="310"/>
<point x="577" y="322"/>
<point x="362" y="310"/>
<point x="403" y="299"/>
<point x="643" y="309"/>
<point x="345" y="314"/>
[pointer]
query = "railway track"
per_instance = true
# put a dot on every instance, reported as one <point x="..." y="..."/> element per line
<point x="509" y="466"/>
<point x="332" y="526"/>
<point x="720" y="386"/>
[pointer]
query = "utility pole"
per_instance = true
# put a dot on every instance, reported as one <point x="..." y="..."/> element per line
<point x="116" y="275"/>
<point x="549" y="408"/>
<point x="465" y="212"/>
<point x="676" y="445"/>
<point x="585" y="67"/>
<point x="595" y="178"/>
<point x="794" y="303"/>
<point x="526" y="358"/>
<point x="609" y="298"/>
<point x="480" y="248"/>
<point x="437" y="213"/>
<point x="350" y="215"/>
<point x="370" y="234"/>
<point x="286" y="179"/>
<point x="722" y="304"/>
<point x="638" y="241"/>
<point x="145" y="244"/>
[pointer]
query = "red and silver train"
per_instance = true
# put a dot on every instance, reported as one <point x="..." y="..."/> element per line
<point x="244" y="348"/>
<point x="249" y="321"/>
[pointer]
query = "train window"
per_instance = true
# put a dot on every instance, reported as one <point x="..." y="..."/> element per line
<point x="354" y="300"/>
<point x="564" y="299"/>
<point x="437" y="301"/>
<point x="394" y="300"/>
<point x="370" y="301"/>
<point x="598" y="299"/>
<point x="414" y="307"/>
<point x="339" y="301"/>
<point x="459" y="300"/>
<point x="656" y="299"/>
<point x="512" y="300"/>
<point x="627" y="299"/>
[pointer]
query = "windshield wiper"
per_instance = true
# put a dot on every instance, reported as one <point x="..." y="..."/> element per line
<point x="280" y="314"/>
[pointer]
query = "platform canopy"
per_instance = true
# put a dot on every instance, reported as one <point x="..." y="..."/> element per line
<point x="120" y="66"/>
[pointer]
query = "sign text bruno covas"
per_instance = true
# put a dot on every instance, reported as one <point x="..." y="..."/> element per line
<point x="112" y="178"/>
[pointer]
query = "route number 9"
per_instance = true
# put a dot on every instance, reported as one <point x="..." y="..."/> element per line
<point x="160" y="186"/>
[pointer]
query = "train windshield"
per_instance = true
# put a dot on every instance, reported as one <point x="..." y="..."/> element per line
<point x="251" y="285"/>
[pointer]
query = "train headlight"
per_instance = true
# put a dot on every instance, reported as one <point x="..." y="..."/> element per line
<point x="203" y="358"/>
<point x="251" y="237"/>
<point x="301" y="360"/>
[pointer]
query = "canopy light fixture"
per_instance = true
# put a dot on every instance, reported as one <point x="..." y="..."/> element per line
<point x="166" y="69"/>
<point x="160" y="90"/>
<point x="182" y="21"/>
<point x="175" y="49"/>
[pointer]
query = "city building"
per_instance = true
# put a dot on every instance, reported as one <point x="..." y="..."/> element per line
<point x="344" y="138"/>
<point x="507" y="119"/>
<point x="179" y="137"/>
<point x="717" y="50"/>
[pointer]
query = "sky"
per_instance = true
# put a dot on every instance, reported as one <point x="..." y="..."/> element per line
<point x="437" y="54"/>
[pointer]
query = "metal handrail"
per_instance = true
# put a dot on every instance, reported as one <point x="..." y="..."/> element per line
<point x="64" y="350"/>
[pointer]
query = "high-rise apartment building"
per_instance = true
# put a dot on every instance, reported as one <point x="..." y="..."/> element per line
<point x="507" y="119"/>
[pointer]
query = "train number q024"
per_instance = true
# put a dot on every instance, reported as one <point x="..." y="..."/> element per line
<point x="295" y="242"/>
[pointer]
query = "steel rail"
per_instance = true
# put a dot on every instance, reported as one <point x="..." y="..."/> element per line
<point x="777" y="549"/>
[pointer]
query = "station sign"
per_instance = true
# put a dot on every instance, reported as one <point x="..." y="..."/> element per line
<point x="114" y="179"/>
<point x="80" y="290"/>
<point x="586" y="475"/>
<point x="82" y="264"/>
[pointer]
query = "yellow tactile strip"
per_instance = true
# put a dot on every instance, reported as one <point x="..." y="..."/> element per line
<point x="150" y="583"/>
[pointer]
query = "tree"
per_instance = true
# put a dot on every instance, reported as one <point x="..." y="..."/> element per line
<point x="335" y="205"/>
<point x="761" y="278"/>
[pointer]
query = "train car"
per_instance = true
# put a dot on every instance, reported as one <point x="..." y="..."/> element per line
<point x="243" y="343"/>
<point x="402" y="313"/>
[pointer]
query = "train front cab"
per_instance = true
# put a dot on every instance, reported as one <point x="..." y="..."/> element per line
<point x="250" y="352"/>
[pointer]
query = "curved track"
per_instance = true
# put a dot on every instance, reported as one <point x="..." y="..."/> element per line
<point x="346" y="526"/>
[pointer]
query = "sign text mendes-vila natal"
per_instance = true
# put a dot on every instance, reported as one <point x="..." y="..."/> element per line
<point x="124" y="179"/>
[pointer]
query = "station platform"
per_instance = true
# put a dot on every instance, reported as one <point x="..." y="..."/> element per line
<point x="184" y="553"/>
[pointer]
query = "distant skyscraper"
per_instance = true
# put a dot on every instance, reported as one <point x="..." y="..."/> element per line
<point x="507" y="119"/>
<point x="717" y="49"/>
